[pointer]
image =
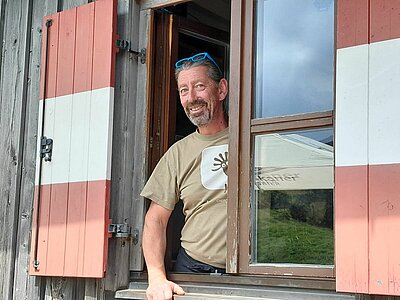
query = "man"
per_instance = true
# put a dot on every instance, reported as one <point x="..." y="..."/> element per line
<point x="194" y="170"/>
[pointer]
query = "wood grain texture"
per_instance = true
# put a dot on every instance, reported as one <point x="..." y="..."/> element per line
<point x="234" y="134"/>
<point x="124" y="146"/>
<point x="159" y="3"/>
<point x="141" y="150"/>
<point x="2" y="18"/>
<point x="28" y="287"/>
<point x="13" y="91"/>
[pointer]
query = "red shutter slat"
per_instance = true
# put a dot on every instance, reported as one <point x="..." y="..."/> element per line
<point x="352" y="23"/>
<point x="75" y="235"/>
<point x="57" y="229"/>
<point x="104" y="54"/>
<point x="66" y="53"/>
<point x="84" y="46"/>
<point x="97" y="217"/>
<point x="385" y="20"/>
<point x="384" y="226"/>
<point x="351" y="229"/>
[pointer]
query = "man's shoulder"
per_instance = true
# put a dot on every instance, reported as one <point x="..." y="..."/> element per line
<point x="195" y="140"/>
<point x="183" y="142"/>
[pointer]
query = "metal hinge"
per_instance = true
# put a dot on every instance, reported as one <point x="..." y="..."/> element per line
<point x="120" y="230"/>
<point x="46" y="148"/>
<point x="126" y="45"/>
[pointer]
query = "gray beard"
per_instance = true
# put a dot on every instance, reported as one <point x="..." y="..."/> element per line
<point x="201" y="120"/>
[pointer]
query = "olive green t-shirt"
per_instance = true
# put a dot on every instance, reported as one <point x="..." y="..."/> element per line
<point x="194" y="169"/>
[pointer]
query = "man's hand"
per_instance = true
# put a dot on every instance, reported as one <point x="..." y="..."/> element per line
<point x="154" y="243"/>
<point x="163" y="290"/>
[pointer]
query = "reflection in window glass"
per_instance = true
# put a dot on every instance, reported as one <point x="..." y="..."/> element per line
<point x="294" y="57"/>
<point x="292" y="198"/>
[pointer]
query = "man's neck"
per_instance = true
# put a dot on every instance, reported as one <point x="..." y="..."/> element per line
<point x="211" y="129"/>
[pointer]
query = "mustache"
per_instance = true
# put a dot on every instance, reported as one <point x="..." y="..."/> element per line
<point x="197" y="102"/>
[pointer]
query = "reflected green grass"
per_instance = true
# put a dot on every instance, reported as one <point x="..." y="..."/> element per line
<point x="282" y="239"/>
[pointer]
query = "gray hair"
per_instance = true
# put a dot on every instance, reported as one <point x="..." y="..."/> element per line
<point x="213" y="72"/>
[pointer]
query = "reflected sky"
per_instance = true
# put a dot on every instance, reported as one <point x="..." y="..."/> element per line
<point x="294" y="57"/>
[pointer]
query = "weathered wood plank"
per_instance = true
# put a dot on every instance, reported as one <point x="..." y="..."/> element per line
<point x="58" y="288"/>
<point x="94" y="289"/>
<point x="90" y="290"/>
<point x="28" y="287"/>
<point x="124" y="144"/>
<point x="147" y="4"/>
<point x="2" y="12"/>
<point x="13" y="89"/>
<point x="140" y="157"/>
<point x="67" y="4"/>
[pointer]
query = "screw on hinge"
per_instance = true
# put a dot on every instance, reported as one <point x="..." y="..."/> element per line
<point x="135" y="236"/>
<point x="49" y="23"/>
<point x="35" y="264"/>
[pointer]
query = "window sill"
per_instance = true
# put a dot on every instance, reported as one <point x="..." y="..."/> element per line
<point x="327" y="284"/>
<point x="220" y="291"/>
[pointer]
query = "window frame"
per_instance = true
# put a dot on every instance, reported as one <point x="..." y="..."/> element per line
<point x="242" y="128"/>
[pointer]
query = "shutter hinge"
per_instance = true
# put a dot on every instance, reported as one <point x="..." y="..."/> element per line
<point x="126" y="45"/>
<point x="120" y="230"/>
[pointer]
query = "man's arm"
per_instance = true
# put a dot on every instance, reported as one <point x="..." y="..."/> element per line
<point x="154" y="245"/>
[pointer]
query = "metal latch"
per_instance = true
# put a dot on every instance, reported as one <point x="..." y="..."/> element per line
<point x="120" y="230"/>
<point x="126" y="45"/>
<point x="46" y="148"/>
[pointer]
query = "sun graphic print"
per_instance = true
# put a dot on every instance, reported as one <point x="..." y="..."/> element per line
<point x="214" y="167"/>
<point x="221" y="162"/>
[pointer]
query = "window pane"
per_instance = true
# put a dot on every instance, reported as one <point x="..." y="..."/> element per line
<point x="294" y="57"/>
<point x="292" y="198"/>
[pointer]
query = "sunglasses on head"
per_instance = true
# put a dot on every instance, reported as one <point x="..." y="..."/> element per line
<point x="195" y="58"/>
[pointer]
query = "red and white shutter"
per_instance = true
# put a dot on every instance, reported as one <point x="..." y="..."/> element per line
<point x="367" y="145"/>
<point x="72" y="191"/>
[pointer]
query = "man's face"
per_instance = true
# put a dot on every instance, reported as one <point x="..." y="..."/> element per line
<point x="199" y="95"/>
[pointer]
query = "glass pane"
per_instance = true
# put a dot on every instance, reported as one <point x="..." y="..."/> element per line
<point x="292" y="198"/>
<point x="294" y="57"/>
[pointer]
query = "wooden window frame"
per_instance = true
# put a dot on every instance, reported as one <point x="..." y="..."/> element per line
<point x="242" y="128"/>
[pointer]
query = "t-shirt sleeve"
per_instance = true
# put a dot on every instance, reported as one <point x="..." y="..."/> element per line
<point x="162" y="184"/>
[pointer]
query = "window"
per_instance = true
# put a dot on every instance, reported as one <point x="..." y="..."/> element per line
<point x="281" y="150"/>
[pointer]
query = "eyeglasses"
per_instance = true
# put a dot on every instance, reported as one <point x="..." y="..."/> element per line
<point x="195" y="58"/>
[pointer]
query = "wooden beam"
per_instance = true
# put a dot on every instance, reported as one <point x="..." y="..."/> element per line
<point x="141" y="132"/>
<point x="125" y="143"/>
<point x="152" y="4"/>
<point x="24" y="284"/>
<point x="16" y="33"/>
<point x="2" y="17"/>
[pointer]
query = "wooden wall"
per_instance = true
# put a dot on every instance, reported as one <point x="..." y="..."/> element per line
<point x="21" y="32"/>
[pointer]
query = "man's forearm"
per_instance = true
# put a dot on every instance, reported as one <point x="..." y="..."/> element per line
<point x="154" y="245"/>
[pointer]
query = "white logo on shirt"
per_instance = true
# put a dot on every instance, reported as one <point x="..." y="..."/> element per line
<point x="214" y="167"/>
